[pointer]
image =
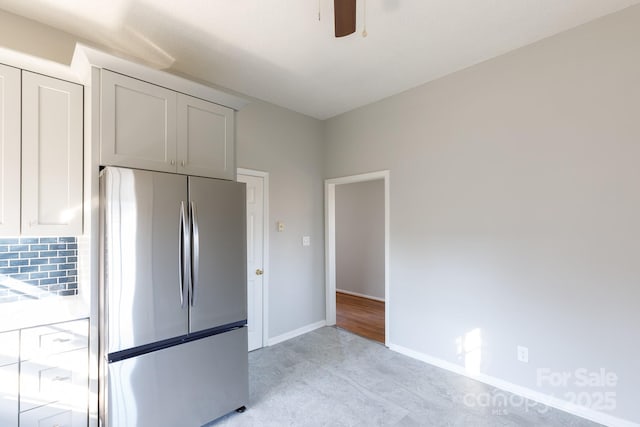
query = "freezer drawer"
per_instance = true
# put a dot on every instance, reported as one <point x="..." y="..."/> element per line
<point x="185" y="385"/>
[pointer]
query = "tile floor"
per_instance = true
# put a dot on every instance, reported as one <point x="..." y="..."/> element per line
<point x="331" y="377"/>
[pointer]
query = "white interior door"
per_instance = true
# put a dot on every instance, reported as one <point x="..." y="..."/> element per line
<point x="255" y="258"/>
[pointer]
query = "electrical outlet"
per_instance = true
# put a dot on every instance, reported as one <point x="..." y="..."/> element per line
<point x="523" y="354"/>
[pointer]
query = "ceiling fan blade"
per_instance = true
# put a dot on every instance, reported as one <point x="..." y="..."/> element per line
<point x="345" y="17"/>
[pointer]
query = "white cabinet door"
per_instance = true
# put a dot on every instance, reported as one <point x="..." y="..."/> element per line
<point x="59" y="379"/>
<point x="54" y="381"/>
<point x="9" y="151"/>
<point x="51" y="416"/>
<point x="205" y="139"/>
<point x="9" y="395"/>
<point x="138" y="122"/>
<point x="9" y="356"/>
<point x="51" y="156"/>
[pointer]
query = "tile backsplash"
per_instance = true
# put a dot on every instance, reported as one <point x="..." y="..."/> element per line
<point x="38" y="267"/>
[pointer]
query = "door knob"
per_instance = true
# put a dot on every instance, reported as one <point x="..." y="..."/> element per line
<point x="259" y="272"/>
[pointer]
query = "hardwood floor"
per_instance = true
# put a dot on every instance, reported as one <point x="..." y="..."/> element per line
<point x="362" y="316"/>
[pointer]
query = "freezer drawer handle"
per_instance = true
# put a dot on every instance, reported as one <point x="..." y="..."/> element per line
<point x="195" y="252"/>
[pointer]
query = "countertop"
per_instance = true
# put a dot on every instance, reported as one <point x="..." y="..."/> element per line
<point x="26" y="314"/>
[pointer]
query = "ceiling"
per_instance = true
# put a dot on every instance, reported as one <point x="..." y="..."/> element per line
<point x="280" y="52"/>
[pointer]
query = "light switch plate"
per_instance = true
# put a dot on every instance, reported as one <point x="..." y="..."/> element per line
<point x="306" y="240"/>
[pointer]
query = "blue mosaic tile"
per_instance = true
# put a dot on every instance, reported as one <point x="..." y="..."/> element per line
<point x="27" y="254"/>
<point x="29" y="240"/>
<point x="62" y="273"/>
<point x="49" y="264"/>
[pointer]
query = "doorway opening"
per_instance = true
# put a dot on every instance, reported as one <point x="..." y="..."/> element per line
<point x="357" y="254"/>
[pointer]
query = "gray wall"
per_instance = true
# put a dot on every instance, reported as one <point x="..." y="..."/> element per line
<point x="515" y="206"/>
<point x="360" y="238"/>
<point x="288" y="145"/>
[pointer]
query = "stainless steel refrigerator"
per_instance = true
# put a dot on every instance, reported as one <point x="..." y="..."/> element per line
<point x="173" y="304"/>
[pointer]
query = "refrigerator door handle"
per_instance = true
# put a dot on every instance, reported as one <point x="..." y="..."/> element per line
<point x="195" y="252"/>
<point x="183" y="262"/>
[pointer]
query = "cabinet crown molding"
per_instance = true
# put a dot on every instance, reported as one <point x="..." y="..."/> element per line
<point x="85" y="57"/>
<point x="38" y="65"/>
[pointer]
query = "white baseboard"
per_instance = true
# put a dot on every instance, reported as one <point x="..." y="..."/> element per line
<point x="554" y="402"/>
<point x="356" y="294"/>
<point x="296" y="332"/>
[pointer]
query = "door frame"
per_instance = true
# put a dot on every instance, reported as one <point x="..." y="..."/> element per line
<point x="330" y="242"/>
<point x="265" y="249"/>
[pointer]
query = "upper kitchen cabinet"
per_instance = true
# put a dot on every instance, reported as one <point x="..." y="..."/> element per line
<point x="52" y="138"/>
<point x="147" y="126"/>
<point x="138" y="124"/>
<point x="9" y="151"/>
<point x="206" y="137"/>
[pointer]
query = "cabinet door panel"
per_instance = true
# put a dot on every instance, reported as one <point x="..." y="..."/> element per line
<point x="53" y="416"/>
<point x="51" y="156"/>
<point x="9" y="151"/>
<point x="205" y="139"/>
<point x="9" y="348"/>
<point x="60" y="378"/>
<point x="138" y="124"/>
<point x="9" y="395"/>
<point x="42" y="341"/>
